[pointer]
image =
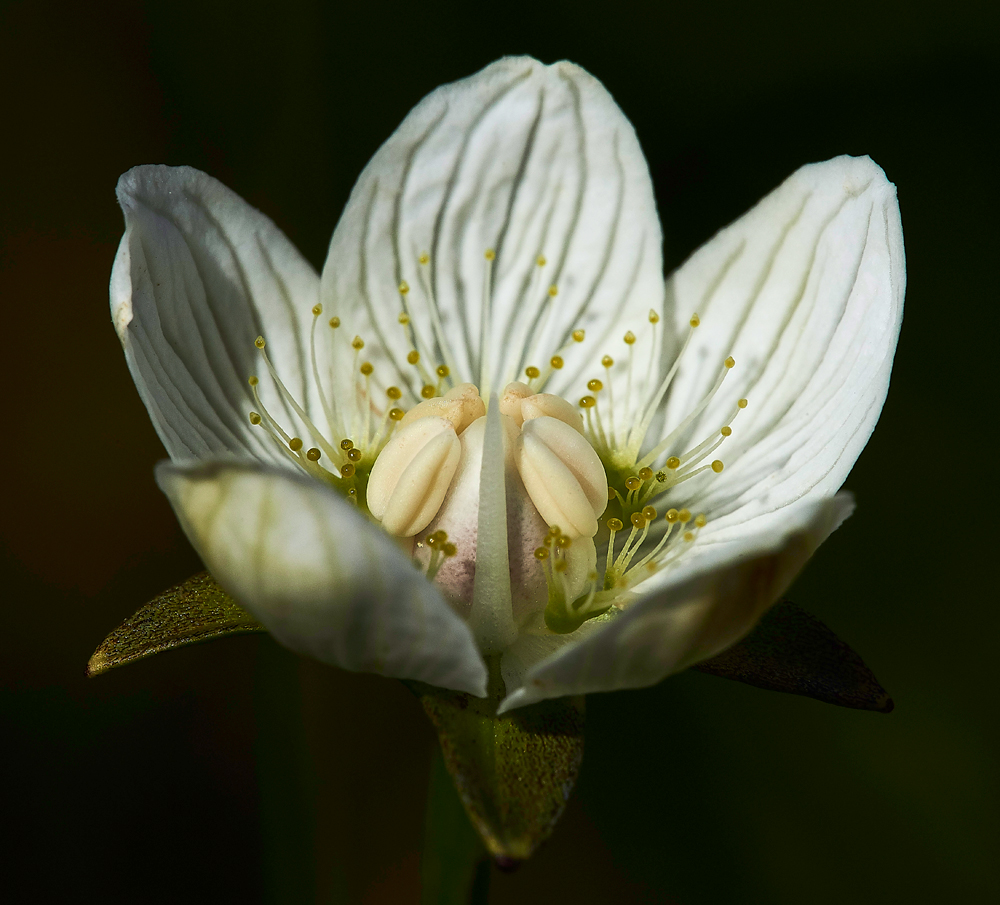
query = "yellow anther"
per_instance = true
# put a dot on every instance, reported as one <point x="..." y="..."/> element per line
<point x="672" y="515"/>
<point x="442" y="370"/>
<point x="404" y="287"/>
<point x="633" y="483"/>
<point x="730" y="362"/>
<point x="700" y="520"/>
<point x="556" y="362"/>
<point x="413" y="356"/>
<point x="347" y="471"/>
<point x="489" y="254"/>
<point x="424" y="258"/>
<point x="684" y="516"/>
<point x="727" y="431"/>
<point x="742" y="403"/>
<point x="428" y="391"/>
<point x="614" y="524"/>
<point x="394" y="393"/>
<point x="673" y="462"/>
<point x="357" y="343"/>
<point x="607" y="361"/>
<point x="259" y="342"/>
<point x="449" y="549"/>
<point x="334" y="322"/>
<point x="717" y="466"/>
<point x="637" y="520"/>
<point x="253" y="381"/>
<point x="645" y="474"/>
<point x="695" y="320"/>
<point x="354" y="454"/>
<point x="648" y="513"/>
<point x="579" y="335"/>
<point x="254" y="418"/>
<point x="531" y="372"/>
<point x="313" y="454"/>
<point x="295" y="444"/>
<point x="346" y="444"/>
<point x="540" y="261"/>
<point x="553" y="291"/>
<point x="317" y="310"/>
<point x="688" y="536"/>
<point x="654" y="318"/>
<point x="560" y="566"/>
<point x="366" y="368"/>
<point x="629" y="338"/>
<point x="396" y="414"/>
<point x="595" y="386"/>
<point x="541" y="553"/>
<point x="403" y="318"/>
<point x="588" y="402"/>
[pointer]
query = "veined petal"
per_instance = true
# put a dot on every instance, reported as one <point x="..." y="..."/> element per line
<point x="702" y="608"/>
<point x="323" y="581"/>
<point x="531" y="163"/>
<point x="198" y="276"/>
<point x="806" y="292"/>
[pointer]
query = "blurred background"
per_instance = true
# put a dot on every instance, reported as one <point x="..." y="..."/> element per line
<point x="238" y="772"/>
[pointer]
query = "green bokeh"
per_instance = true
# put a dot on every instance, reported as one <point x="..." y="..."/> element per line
<point x="238" y="772"/>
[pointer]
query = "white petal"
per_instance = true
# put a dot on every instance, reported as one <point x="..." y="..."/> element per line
<point x="198" y="276"/>
<point x="323" y="580"/>
<point x="523" y="159"/>
<point x="806" y="292"/>
<point x="703" y="609"/>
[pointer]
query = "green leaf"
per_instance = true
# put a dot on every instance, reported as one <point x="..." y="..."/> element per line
<point x="794" y="652"/>
<point x="513" y="772"/>
<point x="197" y="610"/>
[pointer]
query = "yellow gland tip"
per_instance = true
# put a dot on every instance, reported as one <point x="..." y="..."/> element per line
<point x="717" y="466"/>
<point x="334" y="322"/>
<point x="424" y="258"/>
<point x="560" y="566"/>
<point x="595" y="386"/>
<point x="688" y="536"/>
<point x="442" y="370"/>
<point x="645" y="474"/>
<point x="633" y="483"/>
<point x="428" y="391"/>
<point x="695" y="320"/>
<point x="556" y="362"/>
<point x="449" y="550"/>
<point x="366" y="368"/>
<point x="637" y="520"/>
<point x="614" y="524"/>
<point x="672" y="515"/>
<point x="531" y="372"/>
<point x="611" y="493"/>
<point x="540" y="261"/>
<point x="579" y="336"/>
<point x="404" y="287"/>
<point x="730" y="362"/>
<point x="654" y="318"/>
<point x="253" y="381"/>
<point x="727" y="431"/>
<point x="403" y="318"/>
<point x="489" y="254"/>
<point x="346" y="444"/>
<point x="394" y="393"/>
<point x="254" y="418"/>
<point x="357" y="343"/>
<point x="673" y="462"/>
<point x="684" y="516"/>
<point x="588" y="402"/>
<point x="607" y="361"/>
<point x="742" y="403"/>
<point x="259" y="342"/>
<point x="629" y="338"/>
<point x="317" y="310"/>
<point x="354" y="454"/>
<point x="313" y="454"/>
<point x="347" y="471"/>
<point x="700" y="520"/>
<point x="295" y="444"/>
<point x="562" y="542"/>
<point x="541" y="553"/>
<point x="396" y="414"/>
<point x="648" y="513"/>
<point x="413" y="356"/>
<point x="553" y="291"/>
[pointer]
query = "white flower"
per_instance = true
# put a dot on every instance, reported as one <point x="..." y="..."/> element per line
<point x="389" y="465"/>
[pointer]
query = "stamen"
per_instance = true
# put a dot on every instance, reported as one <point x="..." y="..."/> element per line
<point x="331" y="422"/>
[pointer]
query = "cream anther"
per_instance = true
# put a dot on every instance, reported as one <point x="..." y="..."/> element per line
<point x="411" y="476"/>
<point x="562" y="474"/>
<point x="547" y="405"/>
<point x="461" y="406"/>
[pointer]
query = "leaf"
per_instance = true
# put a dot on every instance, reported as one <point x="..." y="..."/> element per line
<point x="197" y="610"/>
<point x="514" y="773"/>
<point x="793" y="652"/>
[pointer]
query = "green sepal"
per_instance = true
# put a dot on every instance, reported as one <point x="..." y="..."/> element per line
<point x="513" y="772"/>
<point x="793" y="652"/>
<point x="197" y="610"/>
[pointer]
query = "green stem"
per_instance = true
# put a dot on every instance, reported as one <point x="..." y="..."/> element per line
<point x="455" y="869"/>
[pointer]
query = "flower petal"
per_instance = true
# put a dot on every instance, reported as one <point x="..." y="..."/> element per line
<point x="321" y="578"/>
<point x="703" y="608"/>
<point x="523" y="160"/>
<point x="198" y="276"/>
<point x="806" y="292"/>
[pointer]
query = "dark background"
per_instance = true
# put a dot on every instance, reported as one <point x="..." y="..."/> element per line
<point x="239" y="772"/>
